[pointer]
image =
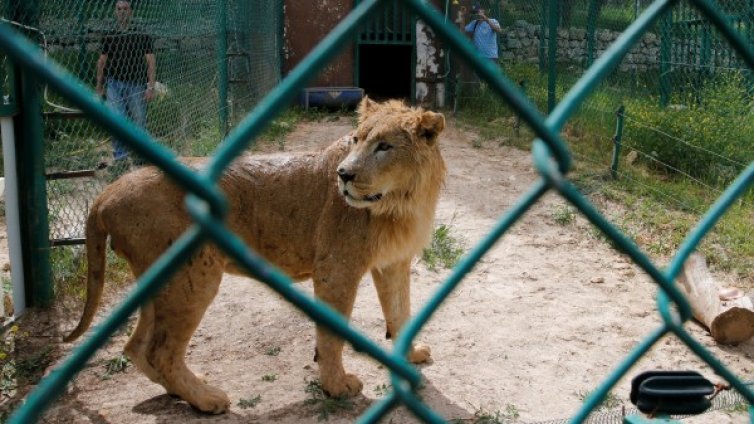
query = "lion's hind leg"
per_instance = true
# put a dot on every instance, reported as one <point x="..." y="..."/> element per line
<point x="177" y="312"/>
<point x="137" y="345"/>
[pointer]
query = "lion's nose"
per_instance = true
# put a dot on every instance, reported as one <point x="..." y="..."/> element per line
<point x="345" y="175"/>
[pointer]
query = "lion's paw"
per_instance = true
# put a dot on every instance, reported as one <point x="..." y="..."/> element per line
<point x="211" y="400"/>
<point x="420" y="353"/>
<point x="347" y="386"/>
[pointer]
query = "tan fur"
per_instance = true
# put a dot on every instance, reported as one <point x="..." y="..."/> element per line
<point x="330" y="216"/>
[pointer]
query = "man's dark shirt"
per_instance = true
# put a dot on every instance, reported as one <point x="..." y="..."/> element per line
<point x="125" y="52"/>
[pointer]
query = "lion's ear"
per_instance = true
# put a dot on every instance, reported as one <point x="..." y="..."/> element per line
<point x="366" y="107"/>
<point x="431" y="125"/>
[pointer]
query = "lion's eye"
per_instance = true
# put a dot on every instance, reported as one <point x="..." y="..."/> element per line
<point x="382" y="147"/>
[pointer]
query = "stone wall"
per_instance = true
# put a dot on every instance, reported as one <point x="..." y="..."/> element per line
<point x="520" y="42"/>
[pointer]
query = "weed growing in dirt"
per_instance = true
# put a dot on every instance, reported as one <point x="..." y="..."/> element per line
<point x="326" y="405"/>
<point x="269" y="377"/>
<point x="115" y="365"/>
<point x="382" y="389"/>
<point x="611" y="401"/>
<point x="481" y="416"/>
<point x="272" y="350"/>
<point x="563" y="215"/>
<point x="445" y="249"/>
<point x="250" y="402"/>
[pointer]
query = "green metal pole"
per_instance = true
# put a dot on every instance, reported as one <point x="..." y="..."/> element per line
<point x="591" y="24"/>
<point x="281" y="38"/>
<point x="620" y="113"/>
<point x="222" y="60"/>
<point x="665" y="46"/>
<point x="35" y="244"/>
<point x="81" y="28"/>
<point x="542" y="45"/>
<point x="552" y="55"/>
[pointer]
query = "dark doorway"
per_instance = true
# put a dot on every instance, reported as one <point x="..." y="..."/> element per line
<point x="385" y="70"/>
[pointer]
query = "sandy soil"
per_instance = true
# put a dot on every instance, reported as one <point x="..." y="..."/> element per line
<point x="543" y="319"/>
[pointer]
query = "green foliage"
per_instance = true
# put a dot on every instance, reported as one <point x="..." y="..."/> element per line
<point x="563" y="214"/>
<point x="115" y="365"/>
<point x="272" y="350"/>
<point x="250" y="402"/>
<point x="482" y="416"/>
<point x="702" y="133"/>
<point x="445" y="250"/>
<point x="270" y="377"/>
<point x="382" y="389"/>
<point x="326" y="405"/>
<point x="611" y="401"/>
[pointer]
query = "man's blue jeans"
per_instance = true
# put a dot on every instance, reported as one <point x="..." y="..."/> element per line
<point x="126" y="98"/>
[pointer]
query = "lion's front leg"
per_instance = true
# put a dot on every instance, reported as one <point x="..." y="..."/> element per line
<point x="339" y="292"/>
<point x="393" y="285"/>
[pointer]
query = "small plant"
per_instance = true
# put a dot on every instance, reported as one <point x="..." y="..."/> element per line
<point x="611" y="401"/>
<point x="250" y="402"/>
<point x="382" y="389"/>
<point x="327" y="405"/>
<point x="115" y="365"/>
<point x="269" y="377"/>
<point x="445" y="250"/>
<point x="272" y="350"/>
<point x="563" y="215"/>
<point x="510" y="415"/>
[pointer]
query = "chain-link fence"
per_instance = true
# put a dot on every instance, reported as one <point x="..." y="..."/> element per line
<point x="186" y="71"/>
<point x="551" y="157"/>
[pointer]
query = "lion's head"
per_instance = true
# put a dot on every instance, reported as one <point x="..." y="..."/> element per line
<point x="394" y="160"/>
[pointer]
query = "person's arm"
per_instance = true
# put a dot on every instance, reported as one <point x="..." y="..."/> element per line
<point x="494" y="24"/>
<point x="101" y="74"/>
<point x="151" y="75"/>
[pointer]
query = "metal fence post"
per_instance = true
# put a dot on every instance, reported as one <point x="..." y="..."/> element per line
<point x="28" y="125"/>
<point x="591" y="24"/>
<point x="665" y="45"/>
<point x="542" y="32"/>
<point x="222" y="61"/>
<point x="552" y="55"/>
<point x="620" y="114"/>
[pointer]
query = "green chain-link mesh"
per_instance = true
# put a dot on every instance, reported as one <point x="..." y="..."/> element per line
<point x="551" y="158"/>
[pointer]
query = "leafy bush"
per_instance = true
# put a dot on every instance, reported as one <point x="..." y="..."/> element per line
<point x="708" y="136"/>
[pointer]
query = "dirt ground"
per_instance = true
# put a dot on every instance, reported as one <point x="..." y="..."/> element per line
<point x="542" y="320"/>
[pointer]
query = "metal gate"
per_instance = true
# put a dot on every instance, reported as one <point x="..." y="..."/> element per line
<point x="392" y="25"/>
<point x="692" y="49"/>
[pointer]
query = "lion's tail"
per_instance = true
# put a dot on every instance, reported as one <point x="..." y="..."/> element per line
<point x="96" y="245"/>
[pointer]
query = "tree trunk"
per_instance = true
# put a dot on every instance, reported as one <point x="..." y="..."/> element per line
<point x="727" y="313"/>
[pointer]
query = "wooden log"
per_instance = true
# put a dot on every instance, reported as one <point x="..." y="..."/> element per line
<point x="726" y="312"/>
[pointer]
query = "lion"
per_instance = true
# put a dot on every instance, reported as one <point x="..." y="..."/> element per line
<point x="364" y="204"/>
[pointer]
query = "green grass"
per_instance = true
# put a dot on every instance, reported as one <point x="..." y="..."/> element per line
<point x="563" y="214"/>
<point x="481" y="416"/>
<point x="269" y="377"/>
<point x="116" y="365"/>
<point x="246" y="403"/>
<point x="272" y="350"/>
<point x="656" y="205"/>
<point x="611" y="401"/>
<point x="325" y="405"/>
<point x="445" y="250"/>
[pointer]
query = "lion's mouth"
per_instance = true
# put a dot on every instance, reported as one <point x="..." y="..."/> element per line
<point x="369" y="199"/>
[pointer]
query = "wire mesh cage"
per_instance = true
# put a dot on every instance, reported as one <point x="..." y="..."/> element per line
<point x="213" y="60"/>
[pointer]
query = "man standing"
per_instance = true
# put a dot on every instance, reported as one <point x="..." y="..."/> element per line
<point x="483" y="31"/>
<point x="126" y="71"/>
